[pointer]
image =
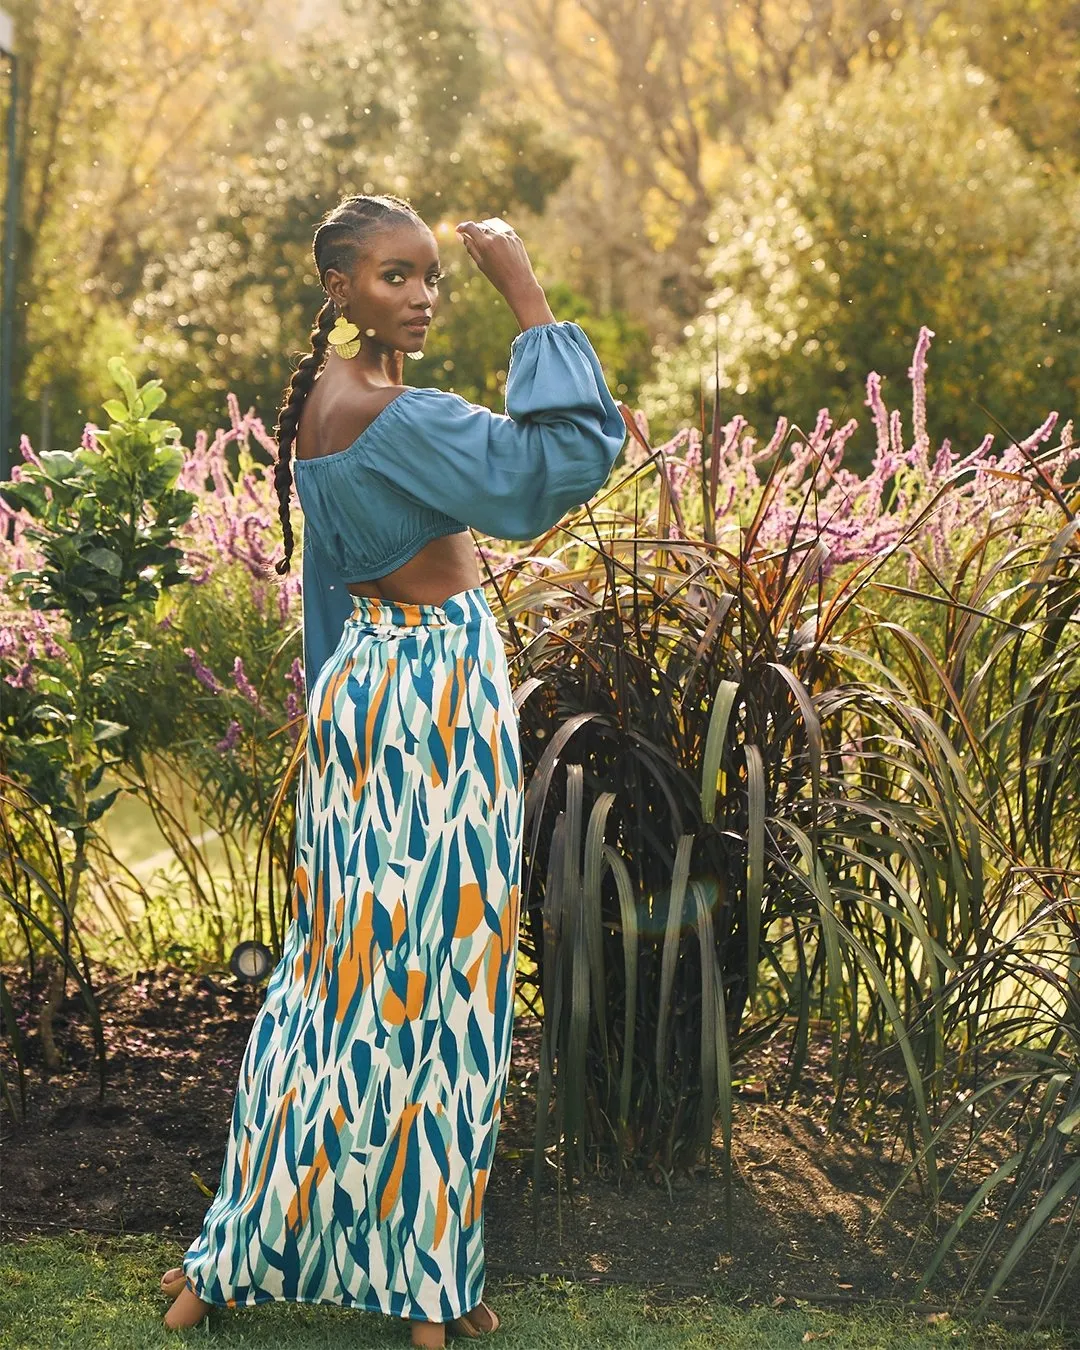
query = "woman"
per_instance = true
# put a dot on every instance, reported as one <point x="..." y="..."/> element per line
<point x="364" y="1125"/>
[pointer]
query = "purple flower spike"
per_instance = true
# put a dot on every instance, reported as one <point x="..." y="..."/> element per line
<point x="292" y="712"/>
<point x="296" y="675"/>
<point x="202" y="673"/>
<point x="23" y="677"/>
<point x="231" y="738"/>
<point x="244" y="684"/>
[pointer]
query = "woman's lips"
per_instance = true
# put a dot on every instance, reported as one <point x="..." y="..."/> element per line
<point x="419" y="324"/>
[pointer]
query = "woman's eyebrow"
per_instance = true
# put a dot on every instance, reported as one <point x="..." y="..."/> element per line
<point x="403" y="262"/>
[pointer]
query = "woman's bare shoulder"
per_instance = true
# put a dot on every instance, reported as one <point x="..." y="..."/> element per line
<point x="344" y="419"/>
<point x="358" y="408"/>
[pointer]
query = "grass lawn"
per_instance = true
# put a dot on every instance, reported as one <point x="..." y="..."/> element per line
<point x="82" y="1291"/>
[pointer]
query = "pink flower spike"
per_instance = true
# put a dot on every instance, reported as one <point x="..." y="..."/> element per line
<point x="27" y="450"/>
<point x="917" y="374"/>
<point x="896" y="436"/>
<point x="876" y="403"/>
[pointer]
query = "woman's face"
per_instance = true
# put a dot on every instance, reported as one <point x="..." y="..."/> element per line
<point x="396" y="284"/>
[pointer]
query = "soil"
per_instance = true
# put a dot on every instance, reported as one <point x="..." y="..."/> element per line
<point x="803" y="1198"/>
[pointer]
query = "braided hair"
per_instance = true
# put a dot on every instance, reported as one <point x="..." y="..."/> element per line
<point x="343" y="236"/>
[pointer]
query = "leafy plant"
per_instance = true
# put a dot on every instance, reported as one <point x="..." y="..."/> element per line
<point x="103" y="521"/>
<point x="784" y="775"/>
<point x="1005" y="684"/>
<point x="853" y="224"/>
<point x="745" y="805"/>
<point x="33" y="886"/>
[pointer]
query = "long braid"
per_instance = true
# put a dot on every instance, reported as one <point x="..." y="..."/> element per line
<point x="342" y="237"/>
<point x="289" y="419"/>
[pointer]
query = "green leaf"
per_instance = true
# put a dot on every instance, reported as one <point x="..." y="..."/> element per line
<point x="628" y="915"/>
<point x="104" y="730"/>
<point x="169" y="460"/>
<point x="680" y="874"/>
<point x="164" y="606"/>
<point x="97" y="808"/>
<point x="47" y="684"/>
<point x="153" y="396"/>
<point x="123" y="377"/>
<point x="59" y="464"/>
<point x="755" y="862"/>
<point x="26" y="496"/>
<point x="714" y="746"/>
<point x="116" y="410"/>
<point x="106" y="560"/>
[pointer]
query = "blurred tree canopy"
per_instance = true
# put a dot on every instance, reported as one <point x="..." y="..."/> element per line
<point x="896" y="200"/>
<point x="116" y="106"/>
<point x="666" y="101"/>
<point x="174" y="163"/>
<point x="212" y="288"/>
<point x="400" y="113"/>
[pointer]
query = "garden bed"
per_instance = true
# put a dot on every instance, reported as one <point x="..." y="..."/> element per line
<point x="803" y="1199"/>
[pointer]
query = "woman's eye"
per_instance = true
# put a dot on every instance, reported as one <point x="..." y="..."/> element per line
<point x="435" y="278"/>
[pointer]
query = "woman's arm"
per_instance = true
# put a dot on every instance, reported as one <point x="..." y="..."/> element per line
<point x="511" y="475"/>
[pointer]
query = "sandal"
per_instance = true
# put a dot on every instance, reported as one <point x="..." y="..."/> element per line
<point x="466" y="1326"/>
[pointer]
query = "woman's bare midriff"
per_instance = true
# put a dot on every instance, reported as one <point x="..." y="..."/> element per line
<point x="445" y="565"/>
<point x="442" y="567"/>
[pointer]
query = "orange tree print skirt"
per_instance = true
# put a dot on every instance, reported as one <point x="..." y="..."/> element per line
<point x="370" y="1092"/>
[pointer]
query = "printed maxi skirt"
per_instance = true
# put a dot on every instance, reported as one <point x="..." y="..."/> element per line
<point x="364" y="1125"/>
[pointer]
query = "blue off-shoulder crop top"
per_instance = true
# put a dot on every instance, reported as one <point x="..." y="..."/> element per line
<point x="432" y="463"/>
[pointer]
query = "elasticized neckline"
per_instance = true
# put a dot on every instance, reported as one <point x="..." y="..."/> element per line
<point x="379" y="422"/>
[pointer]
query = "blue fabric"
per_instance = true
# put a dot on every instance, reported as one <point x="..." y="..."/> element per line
<point x="326" y="605"/>
<point x="432" y="463"/>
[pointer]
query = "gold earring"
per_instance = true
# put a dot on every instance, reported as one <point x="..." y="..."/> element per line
<point x="344" y="337"/>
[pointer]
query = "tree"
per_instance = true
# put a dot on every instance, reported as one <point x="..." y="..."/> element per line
<point x="892" y="201"/>
<point x="661" y="100"/>
<point x="230" y="307"/>
<point x="115" y="108"/>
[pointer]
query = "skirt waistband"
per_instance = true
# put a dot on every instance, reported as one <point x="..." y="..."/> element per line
<point x="459" y="608"/>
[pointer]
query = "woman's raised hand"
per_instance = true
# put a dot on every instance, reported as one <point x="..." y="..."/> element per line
<point x="499" y="254"/>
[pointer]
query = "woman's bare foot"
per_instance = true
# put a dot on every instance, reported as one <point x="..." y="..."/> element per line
<point x="430" y="1335"/>
<point x="187" y="1310"/>
<point x="172" y="1281"/>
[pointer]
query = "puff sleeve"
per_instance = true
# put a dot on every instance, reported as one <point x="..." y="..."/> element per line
<point x="326" y="604"/>
<point x="511" y="475"/>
